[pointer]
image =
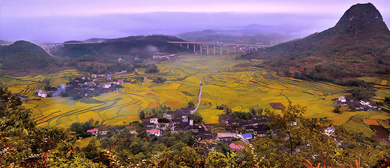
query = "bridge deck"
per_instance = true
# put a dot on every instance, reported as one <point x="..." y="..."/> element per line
<point x="232" y="44"/>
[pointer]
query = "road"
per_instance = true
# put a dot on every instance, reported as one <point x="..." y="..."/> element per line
<point x="200" y="91"/>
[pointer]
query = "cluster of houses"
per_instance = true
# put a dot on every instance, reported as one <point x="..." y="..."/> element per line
<point x="362" y="105"/>
<point x="182" y="120"/>
<point x="87" y="86"/>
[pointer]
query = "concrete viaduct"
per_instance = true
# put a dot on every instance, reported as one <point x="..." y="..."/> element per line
<point x="46" y="46"/>
<point x="202" y="45"/>
<point x="228" y="46"/>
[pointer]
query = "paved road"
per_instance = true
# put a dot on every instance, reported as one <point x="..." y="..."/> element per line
<point x="200" y="91"/>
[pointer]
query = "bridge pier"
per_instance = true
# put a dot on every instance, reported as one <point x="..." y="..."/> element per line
<point x="214" y="49"/>
<point x="188" y="46"/>
<point x="228" y="49"/>
<point x="221" y="49"/>
<point x="181" y="44"/>
<point x="207" y="49"/>
<point x="235" y="49"/>
<point x="200" y="48"/>
<point x="194" y="49"/>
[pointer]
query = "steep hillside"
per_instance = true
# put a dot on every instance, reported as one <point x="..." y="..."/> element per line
<point x="358" y="45"/>
<point x="23" y="55"/>
<point x="142" y="46"/>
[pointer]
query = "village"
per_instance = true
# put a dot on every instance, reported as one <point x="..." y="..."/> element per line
<point x="94" y="85"/>
<point x="355" y="105"/>
<point x="236" y="135"/>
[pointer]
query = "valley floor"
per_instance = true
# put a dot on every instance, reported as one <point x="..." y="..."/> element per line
<point x="223" y="82"/>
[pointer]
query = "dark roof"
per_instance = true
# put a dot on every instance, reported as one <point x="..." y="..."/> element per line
<point x="119" y="128"/>
<point x="260" y="130"/>
<point x="99" y="137"/>
<point x="207" y="137"/>
<point x="357" y="104"/>
<point x="231" y="121"/>
<point x="176" y="120"/>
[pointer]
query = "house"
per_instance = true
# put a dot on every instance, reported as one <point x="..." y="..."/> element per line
<point x="235" y="147"/>
<point x="167" y="116"/>
<point x="357" y="105"/>
<point x="330" y="130"/>
<point x="232" y="122"/>
<point x="155" y="132"/>
<point x="109" y="77"/>
<point x="162" y="125"/>
<point x="154" y="120"/>
<point x="247" y="136"/>
<point x="93" y="131"/>
<point x="120" y="59"/>
<point x="148" y="125"/>
<point x="120" y="81"/>
<point x="40" y="93"/>
<point x="373" y="105"/>
<point x="260" y="131"/>
<point x="93" y="76"/>
<point x="106" y="85"/>
<point x="342" y="99"/>
<point x="364" y="102"/>
<point x="184" y="119"/>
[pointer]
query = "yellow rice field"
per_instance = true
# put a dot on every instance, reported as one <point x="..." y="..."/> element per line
<point x="240" y="88"/>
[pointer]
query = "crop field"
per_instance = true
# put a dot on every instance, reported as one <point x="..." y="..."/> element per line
<point x="223" y="82"/>
<point x="27" y="85"/>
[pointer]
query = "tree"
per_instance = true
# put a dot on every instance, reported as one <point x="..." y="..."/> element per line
<point x="228" y="111"/>
<point x="141" y="115"/>
<point x="294" y="138"/>
<point x="77" y="128"/>
<point x="219" y="160"/>
<point x="222" y="148"/>
<point x="337" y="109"/>
<point x="163" y="120"/>
<point x="91" y="151"/>
<point x="151" y="68"/>
<point x="191" y="104"/>
<point x="76" y="94"/>
<point x="198" y="118"/>
<point x="351" y="107"/>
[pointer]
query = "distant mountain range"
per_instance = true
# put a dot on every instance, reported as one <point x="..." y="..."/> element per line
<point x="2" y="42"/>
<point x="358" y="45"/>
<point x="250" y="34"/>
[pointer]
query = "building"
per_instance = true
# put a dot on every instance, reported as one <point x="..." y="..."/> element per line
<point x="154" y="120"/>
<point x="247" y="136"/>
<point x="155" y="132"/>
<point x="40" y="93"/>
<point x="167" y="116"/>
<point x="93" y="131"/>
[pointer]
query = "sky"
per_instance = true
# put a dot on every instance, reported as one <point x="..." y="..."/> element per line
<point x="62" y="20"/>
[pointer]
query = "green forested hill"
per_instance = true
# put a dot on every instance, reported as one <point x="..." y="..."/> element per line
<point x="23" y="55"/>
<point x="358" y="45"/>
<point x="143" y="46"/>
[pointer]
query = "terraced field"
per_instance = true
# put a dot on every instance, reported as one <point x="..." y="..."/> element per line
<point x="238" y="87"/>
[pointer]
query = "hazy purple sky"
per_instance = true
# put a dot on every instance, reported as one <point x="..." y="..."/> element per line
<point x="61" y="20"/>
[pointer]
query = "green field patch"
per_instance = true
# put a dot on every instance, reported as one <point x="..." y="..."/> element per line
<point x="359" y="126"/>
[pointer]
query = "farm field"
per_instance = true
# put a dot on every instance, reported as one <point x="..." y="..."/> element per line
<point x="238" y="87"/>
